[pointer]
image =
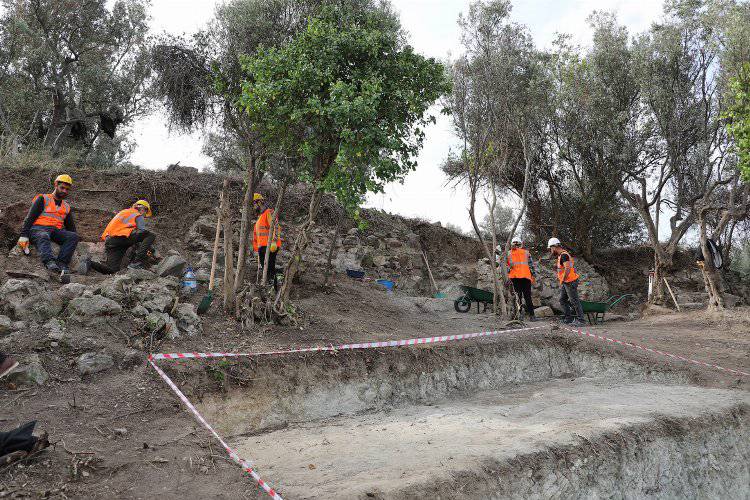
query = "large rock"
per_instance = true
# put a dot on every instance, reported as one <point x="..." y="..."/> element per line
<point x="71" y="291"/>
<point x="6" y="325"/>
<point x="94" y="362"/>
<point x="172" y="265"/>
<point x="15" y="292"/>
<point x="188" y="320"/>
<point x="544" y="312"/>
<point x="29" y="372"/>
<point x="155" y="321"/>
<point x="90" y="310"/>
<point x="156" y="296"/>
<point x="732" y="300"/>
<point x="117" y="287"/>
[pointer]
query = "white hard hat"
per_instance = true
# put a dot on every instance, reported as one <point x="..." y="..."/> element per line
<point x="499" y="249"/>
<point x="516" y="239"/>
<point x="553" y="242"/>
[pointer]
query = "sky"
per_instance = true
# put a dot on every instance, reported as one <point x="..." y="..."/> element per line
<point x="434" y="32"/>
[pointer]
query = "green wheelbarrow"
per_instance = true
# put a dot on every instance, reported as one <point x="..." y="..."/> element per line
<point x="595" y="310"/>
<point x="471" y="295"/>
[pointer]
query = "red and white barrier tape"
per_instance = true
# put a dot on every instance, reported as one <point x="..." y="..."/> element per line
<point x="656" y="351"/>
<point x="365" y="345"/>
<point x="232" y="454"/>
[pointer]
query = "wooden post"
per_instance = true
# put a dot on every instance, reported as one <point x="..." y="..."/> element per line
<point x="429" y="272"/>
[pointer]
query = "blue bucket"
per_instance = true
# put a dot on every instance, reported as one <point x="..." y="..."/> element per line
<point x="388" y="284"/>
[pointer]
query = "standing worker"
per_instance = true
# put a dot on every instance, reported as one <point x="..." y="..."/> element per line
<point x="520" y="271"/>
<point x="568" y="278"/>
<point x="261" y="238"/>
<point x="126" y="229"/>
<point x="48" y="215"/>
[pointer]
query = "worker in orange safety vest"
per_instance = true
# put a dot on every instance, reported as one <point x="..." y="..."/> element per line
<point x="521" y="273"/>
<point x="126" y="229"/>
<point x="568" y="279"/>
<point x="262" y="236"/>
<point x="50" y="219"/>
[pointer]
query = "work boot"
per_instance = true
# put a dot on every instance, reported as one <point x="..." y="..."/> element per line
<point x="7" y="366"/>
<point x="135" y="265"/>
<point x="567" y="321"/>
<point x="533" y="318"/>
<point x="52" y="267"/>
<point x="578" y="323"/>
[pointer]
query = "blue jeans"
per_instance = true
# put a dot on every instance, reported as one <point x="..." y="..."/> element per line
<point x="570" y="302"/>
<point x="42" y="236"/>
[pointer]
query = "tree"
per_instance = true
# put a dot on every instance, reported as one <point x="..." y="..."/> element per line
<point x="349" y="97"/>
<point x="496" y="112"/>
<point x="575" y="197"/>
<point x="199" y="80"/>
<point x="72" y="73"/>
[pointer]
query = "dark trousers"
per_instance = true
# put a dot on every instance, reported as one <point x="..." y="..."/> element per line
<point x="522" y="286"/>
<point x="570" y="302"/>
<point x="43" y="236"/>
<point x="115" y="248"/>
<point x="271" y="263"/>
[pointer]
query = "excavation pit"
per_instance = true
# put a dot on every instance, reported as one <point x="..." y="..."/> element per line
<point x="509" y="418"/>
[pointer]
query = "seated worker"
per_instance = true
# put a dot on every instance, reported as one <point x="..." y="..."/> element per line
<point x="48" y="215"/>
<point x="260" y="239"/>
<point x="126" y="229"/>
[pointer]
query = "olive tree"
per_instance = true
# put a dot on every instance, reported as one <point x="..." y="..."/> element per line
<point x="72" y="73"/>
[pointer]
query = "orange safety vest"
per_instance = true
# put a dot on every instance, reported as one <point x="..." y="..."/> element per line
<point x="572" y="276"/>
<point x="52" y="215"/>
<point x="518" y="263"/>
<point x="121" y="224"/>
<point x="262" y="228"/>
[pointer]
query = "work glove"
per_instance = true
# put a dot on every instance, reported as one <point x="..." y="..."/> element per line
<point x="274" y="247"/>
<point x="23" y="243"/>
<point x="533" y="279"/>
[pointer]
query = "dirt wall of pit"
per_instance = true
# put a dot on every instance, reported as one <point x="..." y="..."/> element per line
<point x="706" y="457"/>
<point x="270" y="392"/>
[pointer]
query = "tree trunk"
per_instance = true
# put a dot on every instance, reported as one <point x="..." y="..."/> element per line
<point x="300" y="244"/>
<point x="331" y="250"/>
<point x="487" y="252"/>
<point x="711" y="276"/>
<point x="272" y="231"/>
<point x="245" y="226"/>
<point x="229" y="294"/>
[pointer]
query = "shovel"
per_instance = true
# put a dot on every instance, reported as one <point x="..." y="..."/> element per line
<point x="209" y="297"/>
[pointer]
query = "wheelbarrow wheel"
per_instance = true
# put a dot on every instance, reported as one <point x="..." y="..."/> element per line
<point x="462" y="305"/>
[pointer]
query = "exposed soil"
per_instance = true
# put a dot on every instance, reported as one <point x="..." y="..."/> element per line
<point x="535" y="414"/>
<point x="165" y="452"/>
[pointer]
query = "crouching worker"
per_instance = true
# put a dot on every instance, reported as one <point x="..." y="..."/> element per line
<point x="125" y="230"/>
<point x="261" y="239"/>
<point x="50" y="219"/>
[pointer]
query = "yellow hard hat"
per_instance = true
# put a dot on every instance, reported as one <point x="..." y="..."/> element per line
<point x="64" y="178"/>
<point x="145" y="204"/>
<point x="258" y="196"/>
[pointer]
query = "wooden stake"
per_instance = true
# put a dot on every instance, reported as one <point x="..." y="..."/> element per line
<point x="429" y="272"/>
<point x="672" y="294"/>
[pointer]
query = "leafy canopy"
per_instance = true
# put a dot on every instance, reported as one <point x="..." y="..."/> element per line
<point x="738" y="115"/>
<point x="347" y="96"/>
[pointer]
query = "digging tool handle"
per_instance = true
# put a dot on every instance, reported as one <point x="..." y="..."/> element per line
<point x="672" y="294"/>
<point x="216" y="251"/>
<point x="429" y="271"/>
